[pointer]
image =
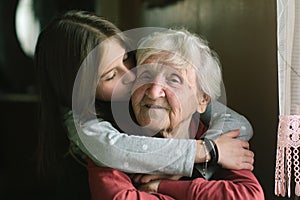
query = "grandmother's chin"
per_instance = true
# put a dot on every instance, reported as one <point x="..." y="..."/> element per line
<point x="156" y="127"/>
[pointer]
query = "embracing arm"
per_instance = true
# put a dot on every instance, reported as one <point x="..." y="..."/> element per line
<point x="235" y="185"/>
<point x="106" y="146"/>
<point x="221" y="119"/>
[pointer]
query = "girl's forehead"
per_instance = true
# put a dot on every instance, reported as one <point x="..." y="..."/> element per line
<point x="112" y="44"/>
<point x="111" y="51"/>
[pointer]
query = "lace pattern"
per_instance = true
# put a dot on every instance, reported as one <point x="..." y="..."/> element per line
<point x="287" y="156"/>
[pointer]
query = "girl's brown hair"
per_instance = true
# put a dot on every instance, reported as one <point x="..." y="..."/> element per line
<point x="61" y="48"/>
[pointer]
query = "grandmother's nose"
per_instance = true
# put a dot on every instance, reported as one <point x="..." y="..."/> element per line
<point x="155" y="91"/>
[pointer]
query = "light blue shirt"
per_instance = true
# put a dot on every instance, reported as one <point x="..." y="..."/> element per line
<point x="106" y="146"/>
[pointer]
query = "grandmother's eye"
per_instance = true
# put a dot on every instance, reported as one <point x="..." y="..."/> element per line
<point x="145" y="76"/>
<point x="175" y="79"/>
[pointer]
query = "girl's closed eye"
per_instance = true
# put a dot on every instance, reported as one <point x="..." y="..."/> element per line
<point x="110" y="75"/>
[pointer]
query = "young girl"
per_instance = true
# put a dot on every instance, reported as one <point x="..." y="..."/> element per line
<point x="62" y="47"/>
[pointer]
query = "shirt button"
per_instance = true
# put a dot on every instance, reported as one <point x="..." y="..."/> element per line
<point x="145" y="147"/>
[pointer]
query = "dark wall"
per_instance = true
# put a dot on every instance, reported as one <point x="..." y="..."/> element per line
<point x="16" y="70"/>
<point x="19" y="114"/>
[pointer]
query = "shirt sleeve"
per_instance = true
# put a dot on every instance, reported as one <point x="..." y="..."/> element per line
<point x="221" y="119"/>
<point x="235" y="185"/>
<point x="106" y="146"/>
<point x="107" y="183"/>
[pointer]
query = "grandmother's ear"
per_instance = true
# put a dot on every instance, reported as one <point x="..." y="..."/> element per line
<point x="203" y="101"/>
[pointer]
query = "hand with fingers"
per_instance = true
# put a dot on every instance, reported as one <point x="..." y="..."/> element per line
<point x="234" y="153"/>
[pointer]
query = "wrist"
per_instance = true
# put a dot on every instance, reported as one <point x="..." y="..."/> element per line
<point x="213" y="150"/>
<point x="201" y="154"/>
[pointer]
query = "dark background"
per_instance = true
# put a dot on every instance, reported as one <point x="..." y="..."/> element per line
<point x="242" y="32"/>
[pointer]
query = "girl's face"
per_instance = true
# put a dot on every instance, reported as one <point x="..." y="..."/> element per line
<point x="114" y="70"/>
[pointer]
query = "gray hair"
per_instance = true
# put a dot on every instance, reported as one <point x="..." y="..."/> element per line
<point x="187" y="49"/>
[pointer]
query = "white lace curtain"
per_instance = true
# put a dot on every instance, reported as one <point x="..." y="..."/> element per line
<point x="287" y="171"/>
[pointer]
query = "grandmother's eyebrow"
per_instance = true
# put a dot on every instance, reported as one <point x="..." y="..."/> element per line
<point x="143" y="71"/>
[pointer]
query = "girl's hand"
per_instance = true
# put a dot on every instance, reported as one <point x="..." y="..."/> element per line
<point x="234" y="153"/>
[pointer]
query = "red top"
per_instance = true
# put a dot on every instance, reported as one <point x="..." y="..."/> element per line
<point x="107" y="184"/>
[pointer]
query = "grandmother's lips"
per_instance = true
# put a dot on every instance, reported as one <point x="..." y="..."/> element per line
<point x="153" y="106"/>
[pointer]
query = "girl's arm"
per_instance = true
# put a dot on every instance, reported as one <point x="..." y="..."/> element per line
<point x="221" y="119"/>
<point x="106" y="146"/>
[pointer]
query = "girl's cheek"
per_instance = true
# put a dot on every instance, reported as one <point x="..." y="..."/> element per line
<point x="104" y="92"/>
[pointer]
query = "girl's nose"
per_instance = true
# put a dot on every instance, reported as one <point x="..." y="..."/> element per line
<point x="129" y="77"/>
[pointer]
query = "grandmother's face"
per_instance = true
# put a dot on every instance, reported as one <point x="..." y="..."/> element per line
<point x="164" y="96"/>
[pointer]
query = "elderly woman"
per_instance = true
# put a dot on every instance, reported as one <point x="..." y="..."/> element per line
<point x="177" y="78"/>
